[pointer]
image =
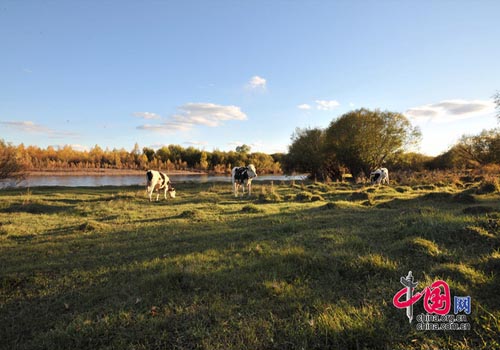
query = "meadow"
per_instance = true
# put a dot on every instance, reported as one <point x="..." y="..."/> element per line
<point x="296" y="266"/>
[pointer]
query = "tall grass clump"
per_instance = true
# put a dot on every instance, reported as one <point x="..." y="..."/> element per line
<point x="269" y="195"/>
<point x="306" y="196"/>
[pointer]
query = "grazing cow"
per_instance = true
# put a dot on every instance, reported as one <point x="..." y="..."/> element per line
<point x="242" y="176"/>
<point x="379" y="176"/>
<point x="159" y="181"/>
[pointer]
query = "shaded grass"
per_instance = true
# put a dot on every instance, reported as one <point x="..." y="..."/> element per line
<point x="104" y="268"/>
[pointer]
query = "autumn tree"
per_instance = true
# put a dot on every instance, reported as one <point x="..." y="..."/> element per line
<point x="306" y="153"/>
<point x="149" y="153"/>
<point x="479" y="149"/>
<point x="204" y="161"/>
<point x="11" y="166"/>
<point x="364" y="139"/>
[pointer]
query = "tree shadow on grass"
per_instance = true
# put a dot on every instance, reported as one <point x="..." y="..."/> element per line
<point x="265" y="302"/>
<point x="36" y="208"/>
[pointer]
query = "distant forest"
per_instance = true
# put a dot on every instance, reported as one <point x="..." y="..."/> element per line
<point x="168" y="158"/>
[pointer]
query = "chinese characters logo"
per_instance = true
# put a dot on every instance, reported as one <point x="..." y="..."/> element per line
<point x="436" y="301"/>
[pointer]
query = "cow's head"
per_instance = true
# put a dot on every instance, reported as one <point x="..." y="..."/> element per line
<point x="252" y="172"/>
<point x="171" y="191"/>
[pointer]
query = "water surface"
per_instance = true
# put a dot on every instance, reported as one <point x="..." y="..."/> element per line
<point x="128" y="180"/>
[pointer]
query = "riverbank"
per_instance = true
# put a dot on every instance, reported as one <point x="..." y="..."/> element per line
<point x="104" y="172"/>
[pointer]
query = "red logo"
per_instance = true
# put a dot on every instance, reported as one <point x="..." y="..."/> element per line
<point x="437" y="299"/>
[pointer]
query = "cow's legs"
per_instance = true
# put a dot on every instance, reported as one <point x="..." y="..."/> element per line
<point x="150" y="193"/>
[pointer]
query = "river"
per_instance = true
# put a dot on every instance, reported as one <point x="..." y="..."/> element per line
<point x="127" y="180"/>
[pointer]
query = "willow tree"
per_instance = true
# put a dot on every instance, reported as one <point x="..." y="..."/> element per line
<point x="306" y="154"/>
<point x="364" y="139"/>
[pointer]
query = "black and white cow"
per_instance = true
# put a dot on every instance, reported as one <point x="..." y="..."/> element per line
<point x="157" y="181"/>
<point x="379" y="176"/>
<point x="242" y="177"/>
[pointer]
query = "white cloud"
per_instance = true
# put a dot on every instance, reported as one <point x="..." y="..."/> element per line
<point x="75" y="147"/>
<point x="146" y="115"/>
<point x="192" y="114"/>
<point x="257" y="82"/>
<point x="78" y="147"/>
<point x="33" y="128"/>
<point x="304" y="106"/>
<point x="26" y="126"/>
<point x="450" y="110"/>
<point x="324" y="105"/>
<point x="196" y="143"/>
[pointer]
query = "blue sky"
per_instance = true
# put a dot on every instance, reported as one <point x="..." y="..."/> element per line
<point x="215" y="74"/>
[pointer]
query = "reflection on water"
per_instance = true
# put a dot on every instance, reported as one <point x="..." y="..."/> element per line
<point x="128" y="180"/>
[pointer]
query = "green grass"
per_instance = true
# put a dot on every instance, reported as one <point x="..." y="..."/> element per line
<point x="308" y="266"/>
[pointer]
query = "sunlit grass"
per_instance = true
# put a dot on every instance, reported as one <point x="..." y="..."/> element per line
<point x="308" y="265"/>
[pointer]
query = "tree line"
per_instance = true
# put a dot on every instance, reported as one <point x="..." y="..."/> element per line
<point x="172" y="157"/>
<point x="362" y="140"/>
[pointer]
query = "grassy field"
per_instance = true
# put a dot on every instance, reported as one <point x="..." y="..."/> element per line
<point x="297" y="266"/>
